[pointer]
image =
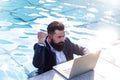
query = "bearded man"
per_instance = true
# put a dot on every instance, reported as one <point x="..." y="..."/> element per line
<point x="54" y="48"/>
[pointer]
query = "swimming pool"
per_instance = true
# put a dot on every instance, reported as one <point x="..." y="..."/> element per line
<point x="94" y="24"/>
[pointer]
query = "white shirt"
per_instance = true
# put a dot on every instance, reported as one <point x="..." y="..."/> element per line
<point x="60" y="56"/>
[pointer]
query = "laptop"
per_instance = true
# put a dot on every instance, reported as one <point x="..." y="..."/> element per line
<point x="78" y="65"/>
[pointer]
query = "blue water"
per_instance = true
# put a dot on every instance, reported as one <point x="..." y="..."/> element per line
<point x="20" y="20"/>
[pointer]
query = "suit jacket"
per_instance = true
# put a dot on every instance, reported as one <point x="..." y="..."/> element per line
<point x="44" y="59"/>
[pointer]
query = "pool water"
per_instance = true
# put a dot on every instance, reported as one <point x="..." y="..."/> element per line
<point x="91" y="23"/>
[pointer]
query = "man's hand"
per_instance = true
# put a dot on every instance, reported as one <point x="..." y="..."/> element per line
<point x="41" y="37"/>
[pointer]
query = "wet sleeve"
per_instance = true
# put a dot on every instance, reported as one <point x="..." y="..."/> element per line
<point x="39" y="55"/>
<point x="77" y="49"/>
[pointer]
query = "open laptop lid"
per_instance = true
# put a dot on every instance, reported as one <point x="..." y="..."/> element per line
<point x="78" y="65"/>
<point x="84" y="64"/>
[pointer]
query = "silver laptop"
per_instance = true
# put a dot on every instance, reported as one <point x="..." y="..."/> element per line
<point x="78" y="65"/>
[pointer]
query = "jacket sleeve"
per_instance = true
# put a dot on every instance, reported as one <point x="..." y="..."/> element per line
<point x="39" y="56"/>
<point x="77" y="49"/>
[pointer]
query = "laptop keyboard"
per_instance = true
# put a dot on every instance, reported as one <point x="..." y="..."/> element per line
<point x="67" y="71"/>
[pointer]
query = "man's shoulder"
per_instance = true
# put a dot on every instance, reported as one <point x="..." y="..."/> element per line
<point x="67" y="40"/>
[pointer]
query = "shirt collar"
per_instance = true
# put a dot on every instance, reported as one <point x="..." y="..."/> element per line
<point x="50" y="45"/>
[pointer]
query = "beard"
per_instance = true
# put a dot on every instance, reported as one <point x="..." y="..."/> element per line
<point x="57" y="46"/>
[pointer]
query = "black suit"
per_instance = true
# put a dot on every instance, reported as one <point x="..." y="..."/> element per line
<point x="44" y="59"/>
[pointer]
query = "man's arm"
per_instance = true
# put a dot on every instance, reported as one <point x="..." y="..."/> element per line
<point x="39" y="55"/>
<point x="39" y="50"/>
<point x="77" y="49"/>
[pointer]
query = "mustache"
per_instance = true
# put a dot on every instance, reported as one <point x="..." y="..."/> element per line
<point x="58" y="46"/>
<point x="61" y="43"/>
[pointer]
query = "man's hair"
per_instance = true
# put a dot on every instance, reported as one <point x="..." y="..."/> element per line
<point x="55" y="25"/>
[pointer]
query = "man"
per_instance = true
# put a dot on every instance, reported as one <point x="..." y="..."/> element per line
<point x="54" y="48"/>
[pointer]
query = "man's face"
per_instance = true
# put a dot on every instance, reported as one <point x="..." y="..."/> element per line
<point x="58" y="40"/>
